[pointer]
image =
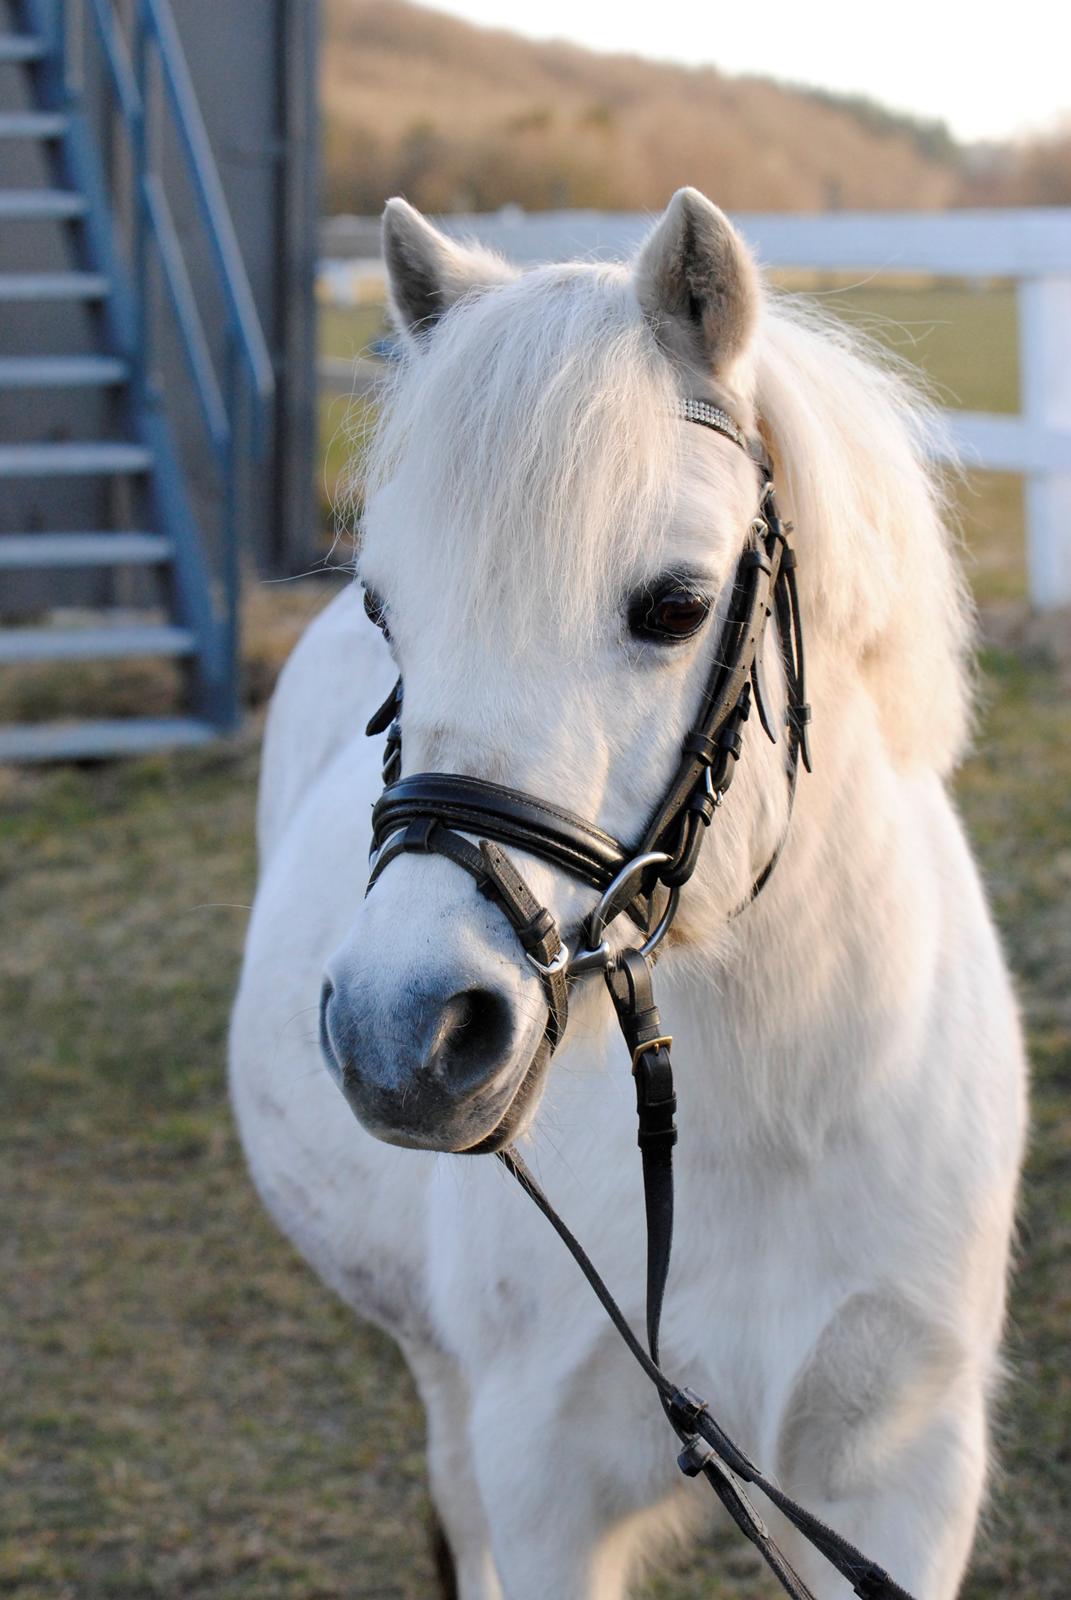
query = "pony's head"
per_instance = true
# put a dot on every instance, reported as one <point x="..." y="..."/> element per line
<point x="548" y="548"/>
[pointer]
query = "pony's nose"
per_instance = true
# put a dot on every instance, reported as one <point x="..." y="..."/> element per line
<point x="467" y="1039"/>
<point x="415" y="1070"/>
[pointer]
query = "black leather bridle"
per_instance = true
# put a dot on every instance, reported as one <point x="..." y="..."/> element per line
<point x="435" y="812"/>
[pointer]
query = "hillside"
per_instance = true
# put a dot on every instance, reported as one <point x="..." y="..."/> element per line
<point x="459" y="117"/>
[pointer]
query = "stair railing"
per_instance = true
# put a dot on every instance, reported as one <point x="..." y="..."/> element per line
<point x="236" y="409"/>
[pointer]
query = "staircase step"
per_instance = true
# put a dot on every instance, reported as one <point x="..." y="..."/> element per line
<point x="21" y="47"/>
<point x="21" y="552"/>
<point x="72" y="460"/>
<point x="90" y="741"/>
<point x="26" y="205"/>
<point x="32" y="124"/>
<point x="62" y="372"/>
<point x="24" y="645"/>
<point x="53" y="286"/>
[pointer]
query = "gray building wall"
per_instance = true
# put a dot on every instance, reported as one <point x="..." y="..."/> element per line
<point x="254" y="67"/>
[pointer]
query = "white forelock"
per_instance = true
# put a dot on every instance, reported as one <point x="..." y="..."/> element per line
<point x="533" y="431"/>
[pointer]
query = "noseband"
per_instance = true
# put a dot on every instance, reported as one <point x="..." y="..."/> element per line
<point x="435" y="812"/>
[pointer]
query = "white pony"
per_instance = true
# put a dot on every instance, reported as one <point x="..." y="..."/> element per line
<point x="849" y="1064"/>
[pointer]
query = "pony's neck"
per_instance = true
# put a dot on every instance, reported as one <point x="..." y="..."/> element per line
<point x="788" y="1029"/>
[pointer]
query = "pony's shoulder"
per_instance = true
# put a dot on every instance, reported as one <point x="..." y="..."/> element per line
<point x="337" y="674"/>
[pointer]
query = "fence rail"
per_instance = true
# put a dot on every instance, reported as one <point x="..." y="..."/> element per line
<point x="1031" y="248"/>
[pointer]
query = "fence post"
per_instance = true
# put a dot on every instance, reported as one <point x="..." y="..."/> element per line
<point x="1045" y="375"/>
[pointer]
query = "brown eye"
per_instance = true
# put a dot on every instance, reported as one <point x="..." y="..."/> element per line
<point x="667" y="615"/>
<point x="376" y="612"/>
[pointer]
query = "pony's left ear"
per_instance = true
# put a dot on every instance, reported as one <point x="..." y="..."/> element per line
<point x="698" y="285"/>
<point x="427" y="273"/>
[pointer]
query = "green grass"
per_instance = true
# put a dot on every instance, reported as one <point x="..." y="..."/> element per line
<point x="184" y="1410"/>
<point x="347" y="331"/>
<point x="964" y="340"/>
<point x="345" y="334"/>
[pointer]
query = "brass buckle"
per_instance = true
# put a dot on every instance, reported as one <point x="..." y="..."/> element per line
<point x="651" y="1044"/>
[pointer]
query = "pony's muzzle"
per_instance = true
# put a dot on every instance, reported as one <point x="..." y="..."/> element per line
<point x="434" y="1070"/>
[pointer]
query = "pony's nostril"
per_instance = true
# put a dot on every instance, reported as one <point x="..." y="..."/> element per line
<point x="327" y="994"/>
<point x="469" y="1037"/>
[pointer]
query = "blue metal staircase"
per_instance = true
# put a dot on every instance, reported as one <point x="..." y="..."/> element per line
<point x="126" y="277"/>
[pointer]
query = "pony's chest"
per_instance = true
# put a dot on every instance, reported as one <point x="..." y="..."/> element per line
<point x="751" y="1283"/>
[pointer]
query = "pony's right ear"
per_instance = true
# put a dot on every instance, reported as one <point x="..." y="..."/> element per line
<point x="698" y="285"/>
<point x="427" y="273"/>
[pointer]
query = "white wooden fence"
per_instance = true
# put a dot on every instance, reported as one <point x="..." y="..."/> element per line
<point x="1031" y="248"/>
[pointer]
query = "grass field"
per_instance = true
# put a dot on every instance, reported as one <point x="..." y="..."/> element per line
<point x="184" y="1411"/>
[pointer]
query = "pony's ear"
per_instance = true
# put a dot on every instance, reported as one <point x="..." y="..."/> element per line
<point x="426" y="272"/>
<point x="697" y="284"/>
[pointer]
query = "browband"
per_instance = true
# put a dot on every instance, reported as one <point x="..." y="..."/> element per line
<point x="712" y="416"/>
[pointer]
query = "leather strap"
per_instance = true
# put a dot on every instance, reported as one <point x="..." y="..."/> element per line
<point x="629" y="983"/>
<point x="498" y="879"/>
<point x="531" y="824"/>
<point x="707" y="1448"/>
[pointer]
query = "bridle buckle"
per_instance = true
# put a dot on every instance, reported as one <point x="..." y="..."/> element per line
<point x="664" y="1041"/>
<point x="550" y="969"/>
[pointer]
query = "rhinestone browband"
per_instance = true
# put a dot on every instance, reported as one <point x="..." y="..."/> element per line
<point x="709" y="416"/>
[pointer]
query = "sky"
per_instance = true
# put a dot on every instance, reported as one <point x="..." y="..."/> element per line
<point x="990" y="72"/>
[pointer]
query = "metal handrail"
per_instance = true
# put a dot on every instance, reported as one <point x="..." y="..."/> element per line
<point x="154" y="23"/>
<point x="235" y="405"/>
<point x="157" y="17"/>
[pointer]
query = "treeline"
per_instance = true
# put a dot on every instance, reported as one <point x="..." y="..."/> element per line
<point x="1037" y="173"/>
<point x="465" y="118"/>
<point x="461" y="118"/>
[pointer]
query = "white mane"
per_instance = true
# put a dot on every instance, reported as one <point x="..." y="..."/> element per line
<point x="534" y="429"/>
<point x="853" y="441"/>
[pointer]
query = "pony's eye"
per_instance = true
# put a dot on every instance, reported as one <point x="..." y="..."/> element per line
<point x="667" y="615"/>
<point x="376" y="611"/>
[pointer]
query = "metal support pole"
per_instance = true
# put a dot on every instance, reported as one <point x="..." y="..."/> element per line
<point x="58" y="43"/>
<point x="141" y="157"/>
<point x="1045" y="368"/>
<point x="237" y="445"/>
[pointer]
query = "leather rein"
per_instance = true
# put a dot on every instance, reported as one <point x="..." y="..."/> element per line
<point x="437" y="812"/>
